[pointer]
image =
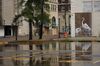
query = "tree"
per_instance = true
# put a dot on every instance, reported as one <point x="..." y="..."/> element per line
<point x="15" y="23"/>
<point x="41" y="14"/>
<point x="33" y="10"/>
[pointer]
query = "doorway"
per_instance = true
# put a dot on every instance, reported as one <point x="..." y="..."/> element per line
<point x="7" y="30"/>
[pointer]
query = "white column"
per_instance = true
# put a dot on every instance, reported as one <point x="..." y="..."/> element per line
<point x="72" y="25"/>
<point x="1" y="31"/>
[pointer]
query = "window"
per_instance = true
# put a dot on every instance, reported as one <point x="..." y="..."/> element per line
<point x="46" y="46"/>
<point x="63" y="29"/>
<point x="97" y="5"/>
<point x="53" y="7"/>
<point x="53" y="22"/>
<point x="54" y="46"/>
<point x="87" y="6"/>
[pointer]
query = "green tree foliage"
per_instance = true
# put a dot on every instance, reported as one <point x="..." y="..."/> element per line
<point x="31" y="11"/>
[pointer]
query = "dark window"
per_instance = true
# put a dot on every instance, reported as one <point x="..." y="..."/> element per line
<point x="53" y="22"/>
<point x="64" y="5"/>
<point x="7" y="30"/>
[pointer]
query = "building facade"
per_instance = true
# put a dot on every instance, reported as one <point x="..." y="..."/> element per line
<point x="53" y="16"/>
<point x="85" y="22"/>
<point x="64" y="17"/>
<point x="0" y="11"/>
<point x="84" y="19"/>
<point x="6" y="17"/>
<point x="8" y="10"/>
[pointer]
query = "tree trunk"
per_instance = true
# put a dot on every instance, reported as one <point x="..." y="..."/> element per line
<point x="16" y="32"/>
<point x="41" y="31"/>
<point x="30" y="44"/>
<point x="42" y="19"/>
<point x="30" y="30"/>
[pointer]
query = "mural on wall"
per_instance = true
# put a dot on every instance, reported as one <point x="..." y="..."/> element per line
<point x="83" y="24"/>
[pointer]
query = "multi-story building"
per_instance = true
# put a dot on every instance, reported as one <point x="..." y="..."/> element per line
<point x="85" y="12"/>
<point x="0" y="12"/>
<point x="85" y="22"/>
<point x="53" y="16"/>
<point x="6" y="17"/>
<point x="8" y="10"/>
<point x="64" y="17"/>
<point x="80" y="18"/>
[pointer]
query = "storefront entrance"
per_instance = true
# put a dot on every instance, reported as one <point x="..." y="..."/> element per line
<point x="10" y="30"/>
<point x="7" y="30"/>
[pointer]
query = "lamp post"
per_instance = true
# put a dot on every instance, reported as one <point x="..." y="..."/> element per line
<point x="16" y="27"/>
<point x="4" y="26"/>
<point x="66" y="11"/>
<point x="69" y="25"/>
<point x="65" y="18"/>
<point x="59" y="27"/>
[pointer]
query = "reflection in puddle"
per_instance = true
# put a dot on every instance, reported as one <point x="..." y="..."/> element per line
<point x="52" y="54"/>
<point x="86" y="51"/>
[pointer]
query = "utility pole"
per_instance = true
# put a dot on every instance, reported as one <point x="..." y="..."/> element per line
<point x="16" y="32"/>
<point x="41" y="25"/>
<point x="65" y="17"/>
<point x="59" y="27"/>
<point x="69" y="24"/>
<point x="30" y="44"/>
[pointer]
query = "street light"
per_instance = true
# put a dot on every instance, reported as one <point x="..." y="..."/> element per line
<point x="59" y="27"/>
<point x="4" y="25"/>
<point x="69" y="25"/>
<point x="65" y="11"/>
<point x="65" y="18"/>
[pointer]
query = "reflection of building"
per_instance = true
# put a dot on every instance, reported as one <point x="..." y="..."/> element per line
<point x="85" y="50"/>
<point x="7" y="62"/>
<point x="56" y="53"/>
<point x="52" y="54"/>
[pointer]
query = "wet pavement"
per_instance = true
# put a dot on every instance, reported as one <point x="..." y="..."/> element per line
<point x="52" y="54"/>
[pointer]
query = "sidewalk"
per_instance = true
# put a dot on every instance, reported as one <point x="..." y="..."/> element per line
<point x="13" y="38"/>
<point x="51" y="37"/>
